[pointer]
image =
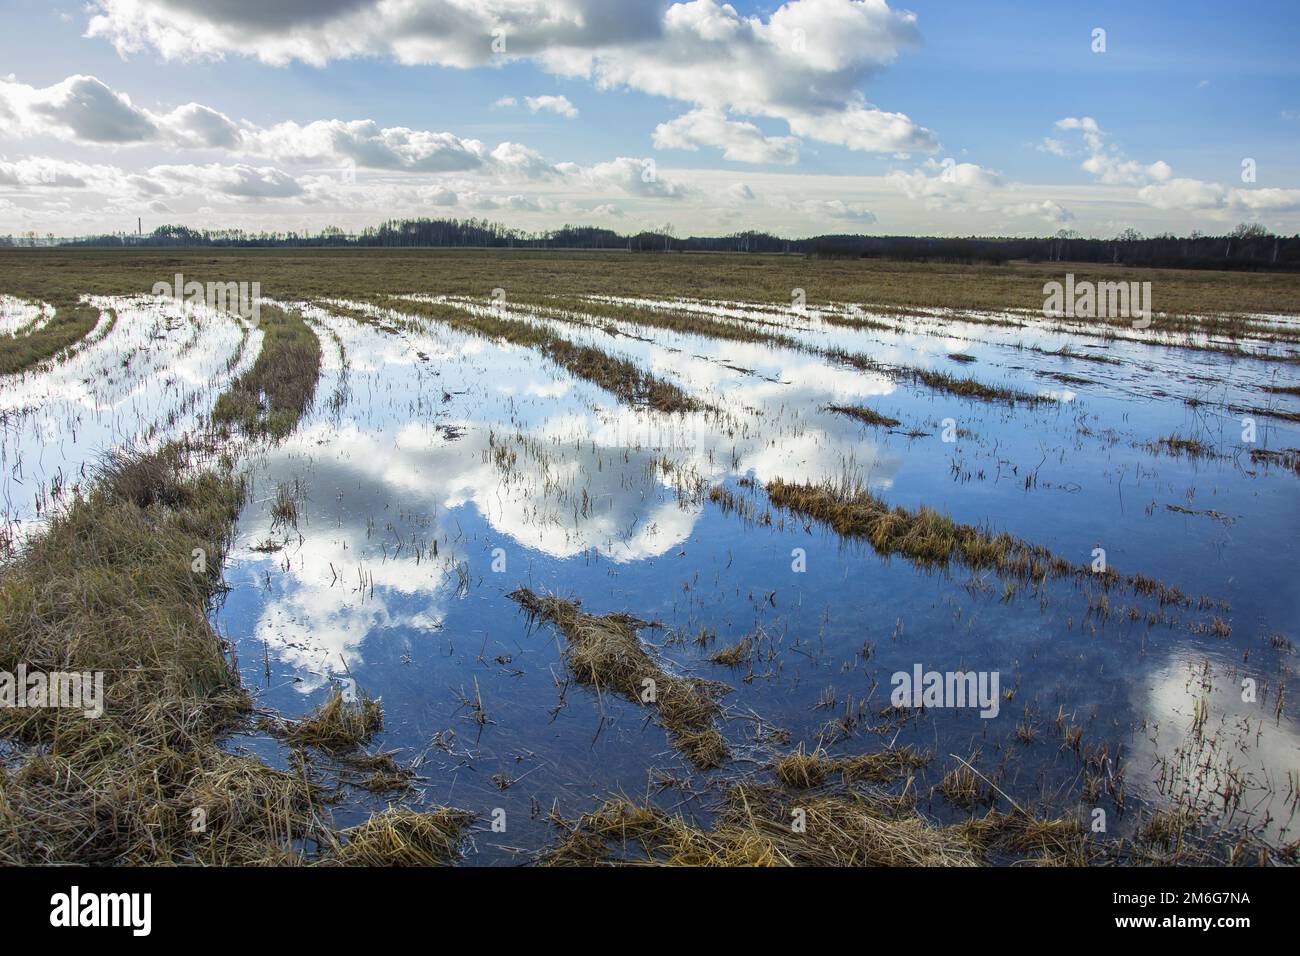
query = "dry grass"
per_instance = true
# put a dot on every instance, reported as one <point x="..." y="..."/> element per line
<point x="110" y="588"/>
<point x="735" y="654"/>
<point x="925" y="536"/>
<point x="758" y="828"/>
<point x="312" y="273"/>
<point x="120" y="584"/>
<point x="804" y="771"/>
<point x="276" y="392"/>
<point x="605" y="652"/>
<point x="763" y="826"/>
<point x="338" y="724"/>
<point x="403" y="837"/>
<point x="865" y="415"/>
<point x="1178" y="447"/>
<point x="1045" y="841"/>
<point x="284" y="509"/>
<point x="938" y="381"/>
<point x="933" y="540"/>
<point x="1169" y="828"/>
<point x="971" y="388"/>
<point x="1286" y="457"/>
<point x="962" y="788"/>
<point x="72" y="322"/>
<point x="665" y="317"/>
<point x="622" y="378"/>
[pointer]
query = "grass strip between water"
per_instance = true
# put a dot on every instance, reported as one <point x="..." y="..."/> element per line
<point x="932" y="539"/>
<point x="757" y="827"/>
<point x="120" y="584"/>
<point x="604" y="651"/>
<point x="620" y="377"/>
<point x="273" y="395"/>
<point x="71" y="323"/>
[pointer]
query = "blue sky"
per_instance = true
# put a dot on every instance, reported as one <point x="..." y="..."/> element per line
<point x="811" y="116"/>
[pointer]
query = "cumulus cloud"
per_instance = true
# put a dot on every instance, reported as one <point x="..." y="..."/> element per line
<point x="1106" y="162"/>
<point x="200" y="127"/>
<point x="636" y="177"/>
<point x="1053" y="146"/>
<point x="439" y="196"/>
<point x="364" y="143"/>
<point x="1268" y="200"/>
<point x="297" y="164"/>
<point x="1049" y="211"/>
<point x="1184" y="194"/>
<point x="553" y="104"/>
<point x="79" y="107"/>
<point x="521" y="203"/>
<point x="1196" y="195"/>
<point x="838" y="209"/>
<point x="863" y="127"/>
<point x="515" y="159"/>
<point x="239" y="181"/>
<point x="1160" y="189"/>
<point x="84" y="109"/>
<point x="804" y="64"/>
<point x="950" y="185"/>
<point x="742" y="142"/>
<point x="157" y="185"/>
<point x="43" y="171"/>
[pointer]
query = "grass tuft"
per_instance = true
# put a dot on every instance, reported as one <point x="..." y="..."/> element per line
<point x="605" y="652"/>
<point x="403" y="837"/>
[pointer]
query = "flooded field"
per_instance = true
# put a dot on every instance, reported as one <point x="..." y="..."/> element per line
<point x="612" y="566"/>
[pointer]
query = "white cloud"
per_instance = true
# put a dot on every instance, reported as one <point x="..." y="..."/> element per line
<point x="521" y="203"/>
<point x="1161" y="190"/>
<point x="953" y="184"/>
<point x="1187" y="194"/>
<point x="83" y="109"/>
<point x="79" y="107"/>
<point x="46" y="172"/>
<point x="366" y="144"/>
<point x="1194" y="195"/>
<point x="965" y="187"/>
<point x="742" y="142"/>
<point x="439" y="196"/>
<point x="863" y="127"/>
<point x="805" y="64"/>
<point x="1106" y="162"/>
<point x="553" y="104"/>
<point x="1270" y="199"/>
<point x="240" y="181"/>
<point x="199" y="127"/>
<point x="838" y="209"/>
<point x="517" y="160"/>
<point x="636" y="177"/>
<point x="1048" y="210"/>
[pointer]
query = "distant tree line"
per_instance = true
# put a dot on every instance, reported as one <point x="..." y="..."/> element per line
<point x="1248" y="246"/>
